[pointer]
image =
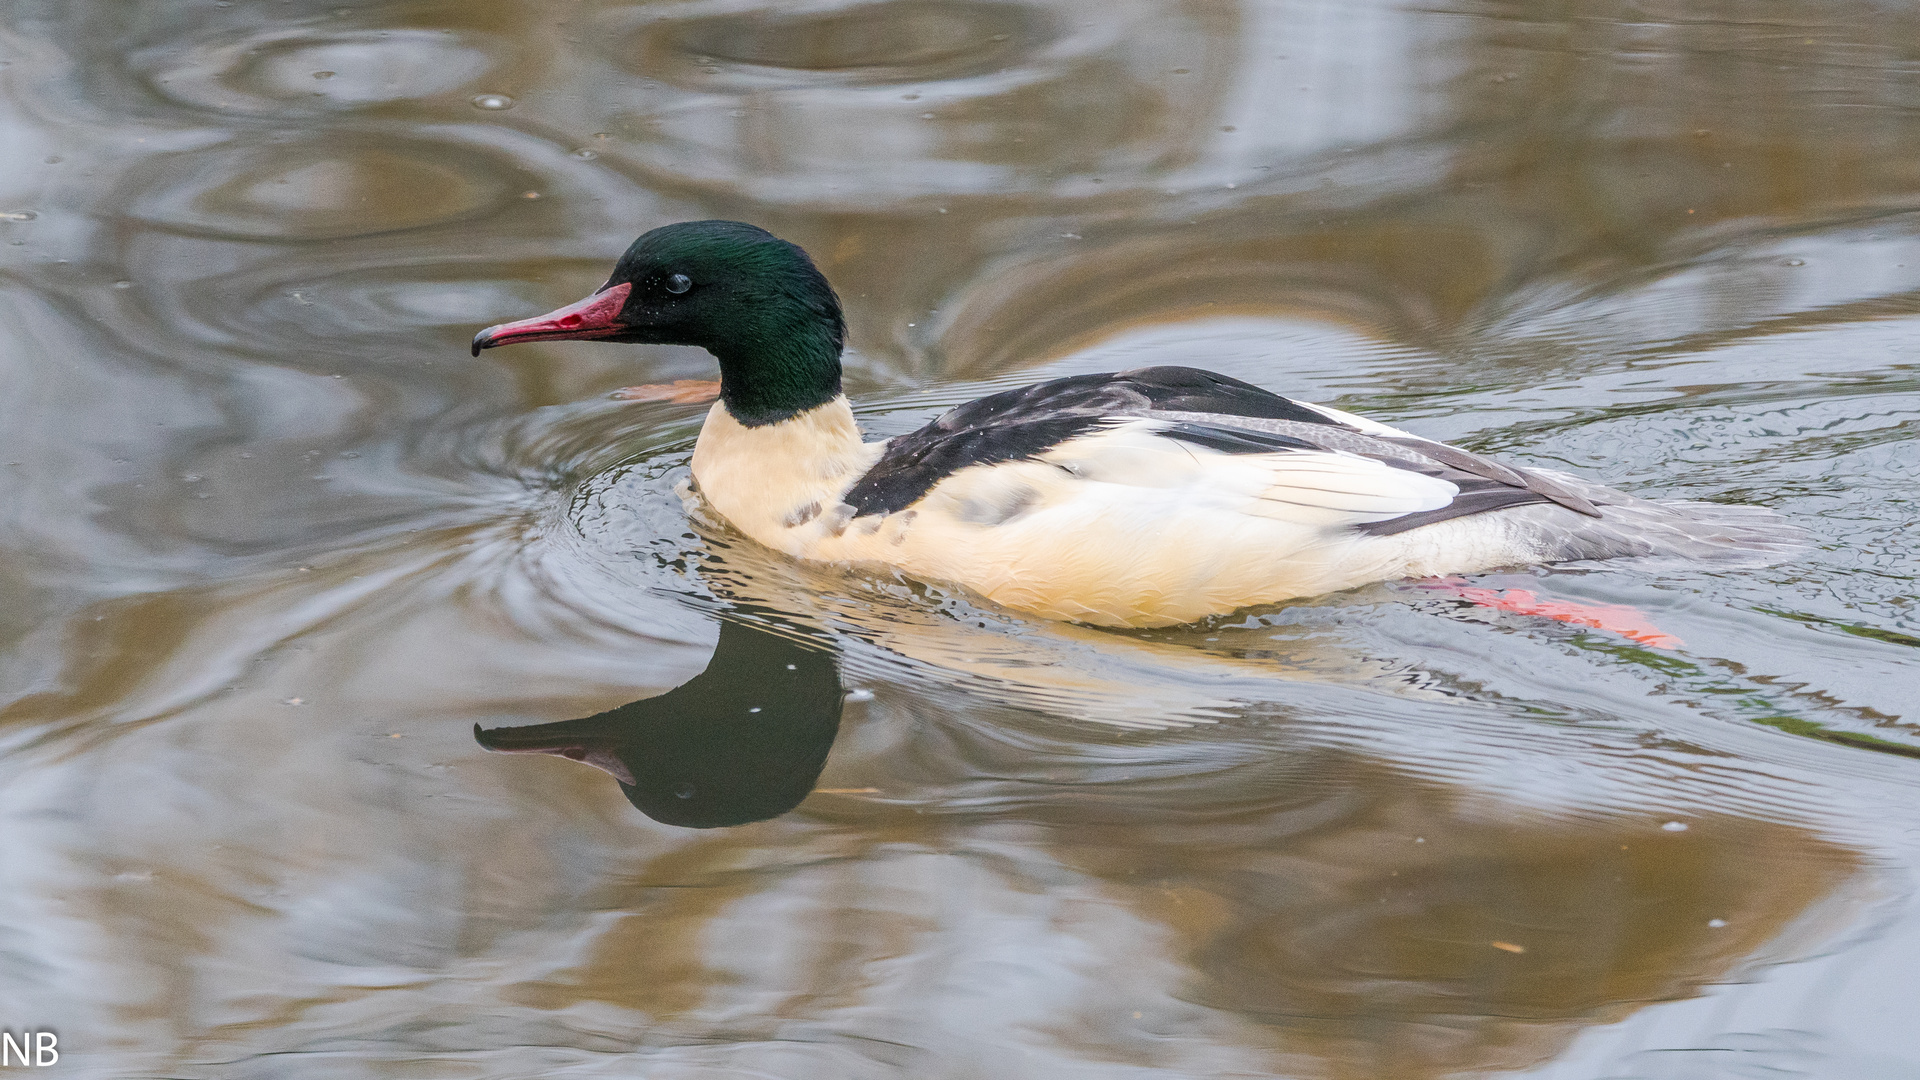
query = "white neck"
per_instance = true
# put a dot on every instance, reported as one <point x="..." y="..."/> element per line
<point x="762" y="478"/>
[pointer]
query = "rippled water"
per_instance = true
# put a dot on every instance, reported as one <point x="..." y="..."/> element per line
<point x="274" y="544"/>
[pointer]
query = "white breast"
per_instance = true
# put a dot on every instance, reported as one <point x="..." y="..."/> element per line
<point x="769" y="480"/>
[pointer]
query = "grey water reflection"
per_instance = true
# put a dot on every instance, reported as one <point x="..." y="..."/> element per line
<point x="274" y="544"/>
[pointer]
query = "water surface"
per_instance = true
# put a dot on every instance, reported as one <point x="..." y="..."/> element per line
<point x="275" y="544"/>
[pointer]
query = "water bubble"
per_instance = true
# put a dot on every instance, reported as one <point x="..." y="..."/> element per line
<point x="123" y="284"/>
<point x="18" y="215"/>
<point x="1796" y="262"/>
<point x="584" y="154"/>
<point x="1716" y="923"/>
<point x="1675" y="826"/>
<point x="492" y="102"/>
<point x="859" y="695"/>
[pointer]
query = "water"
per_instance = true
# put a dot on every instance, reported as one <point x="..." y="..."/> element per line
<point x="274" y="544"/>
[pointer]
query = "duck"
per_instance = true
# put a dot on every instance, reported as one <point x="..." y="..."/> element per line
<point x="1151" y="497"/>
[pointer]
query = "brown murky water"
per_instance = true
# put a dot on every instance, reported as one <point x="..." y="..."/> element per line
<point x="274" y="543"/>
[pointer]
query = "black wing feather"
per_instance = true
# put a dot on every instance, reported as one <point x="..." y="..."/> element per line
<point x="1015" y="424"/>
<point x="913" y="464"/>
<point x="1023" y="423"/>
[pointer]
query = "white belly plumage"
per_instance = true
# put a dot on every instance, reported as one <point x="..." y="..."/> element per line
<point x="1118" y="528"/>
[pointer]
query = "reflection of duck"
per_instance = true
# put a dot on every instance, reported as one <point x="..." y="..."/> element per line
<point x="1144" y="498"/>
<point x="742" y="741"/>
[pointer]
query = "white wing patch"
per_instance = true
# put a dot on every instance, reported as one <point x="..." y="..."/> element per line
<point x="1306" y="487"/>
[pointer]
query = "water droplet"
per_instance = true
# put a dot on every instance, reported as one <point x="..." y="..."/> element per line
<point x="18" y="215"/>
<point x="1796" y="262"/>
<point x="323" y="74"/>
<point x="529" y="194"/>
<point x="859" y="695"/>
<point x="293" y="701"/>
<point x="684" y="791"/>
<point x="493" y="102"/>
<point x="1716" y="923"/>
<point x="926" y="116"/>
<point x="584" y="154"/>
<point x="192" y="478"/>
<point x="1675" y="826"/>
<point x="755" y="709"/>
<point x="123" y="284"/>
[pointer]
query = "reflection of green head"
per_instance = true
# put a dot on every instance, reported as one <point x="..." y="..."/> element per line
<point x="742" y="741"/>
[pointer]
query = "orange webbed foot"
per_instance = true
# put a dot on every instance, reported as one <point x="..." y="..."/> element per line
<point x="678" y="392"/>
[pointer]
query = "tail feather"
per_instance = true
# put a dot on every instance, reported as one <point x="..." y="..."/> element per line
<point x="1642" y="528"/>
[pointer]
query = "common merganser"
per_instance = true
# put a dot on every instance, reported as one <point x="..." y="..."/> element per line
<point x="1141" y="498"/>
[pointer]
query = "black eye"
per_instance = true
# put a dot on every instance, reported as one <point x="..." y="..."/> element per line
<point x="679" y="283"/>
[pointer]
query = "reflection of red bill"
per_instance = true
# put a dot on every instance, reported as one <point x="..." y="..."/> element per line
<point x="1628" y="622"/>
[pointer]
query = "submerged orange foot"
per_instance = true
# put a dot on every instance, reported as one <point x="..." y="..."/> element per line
<point x="1625" y="620"/>
<point x="679" y="392"/>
